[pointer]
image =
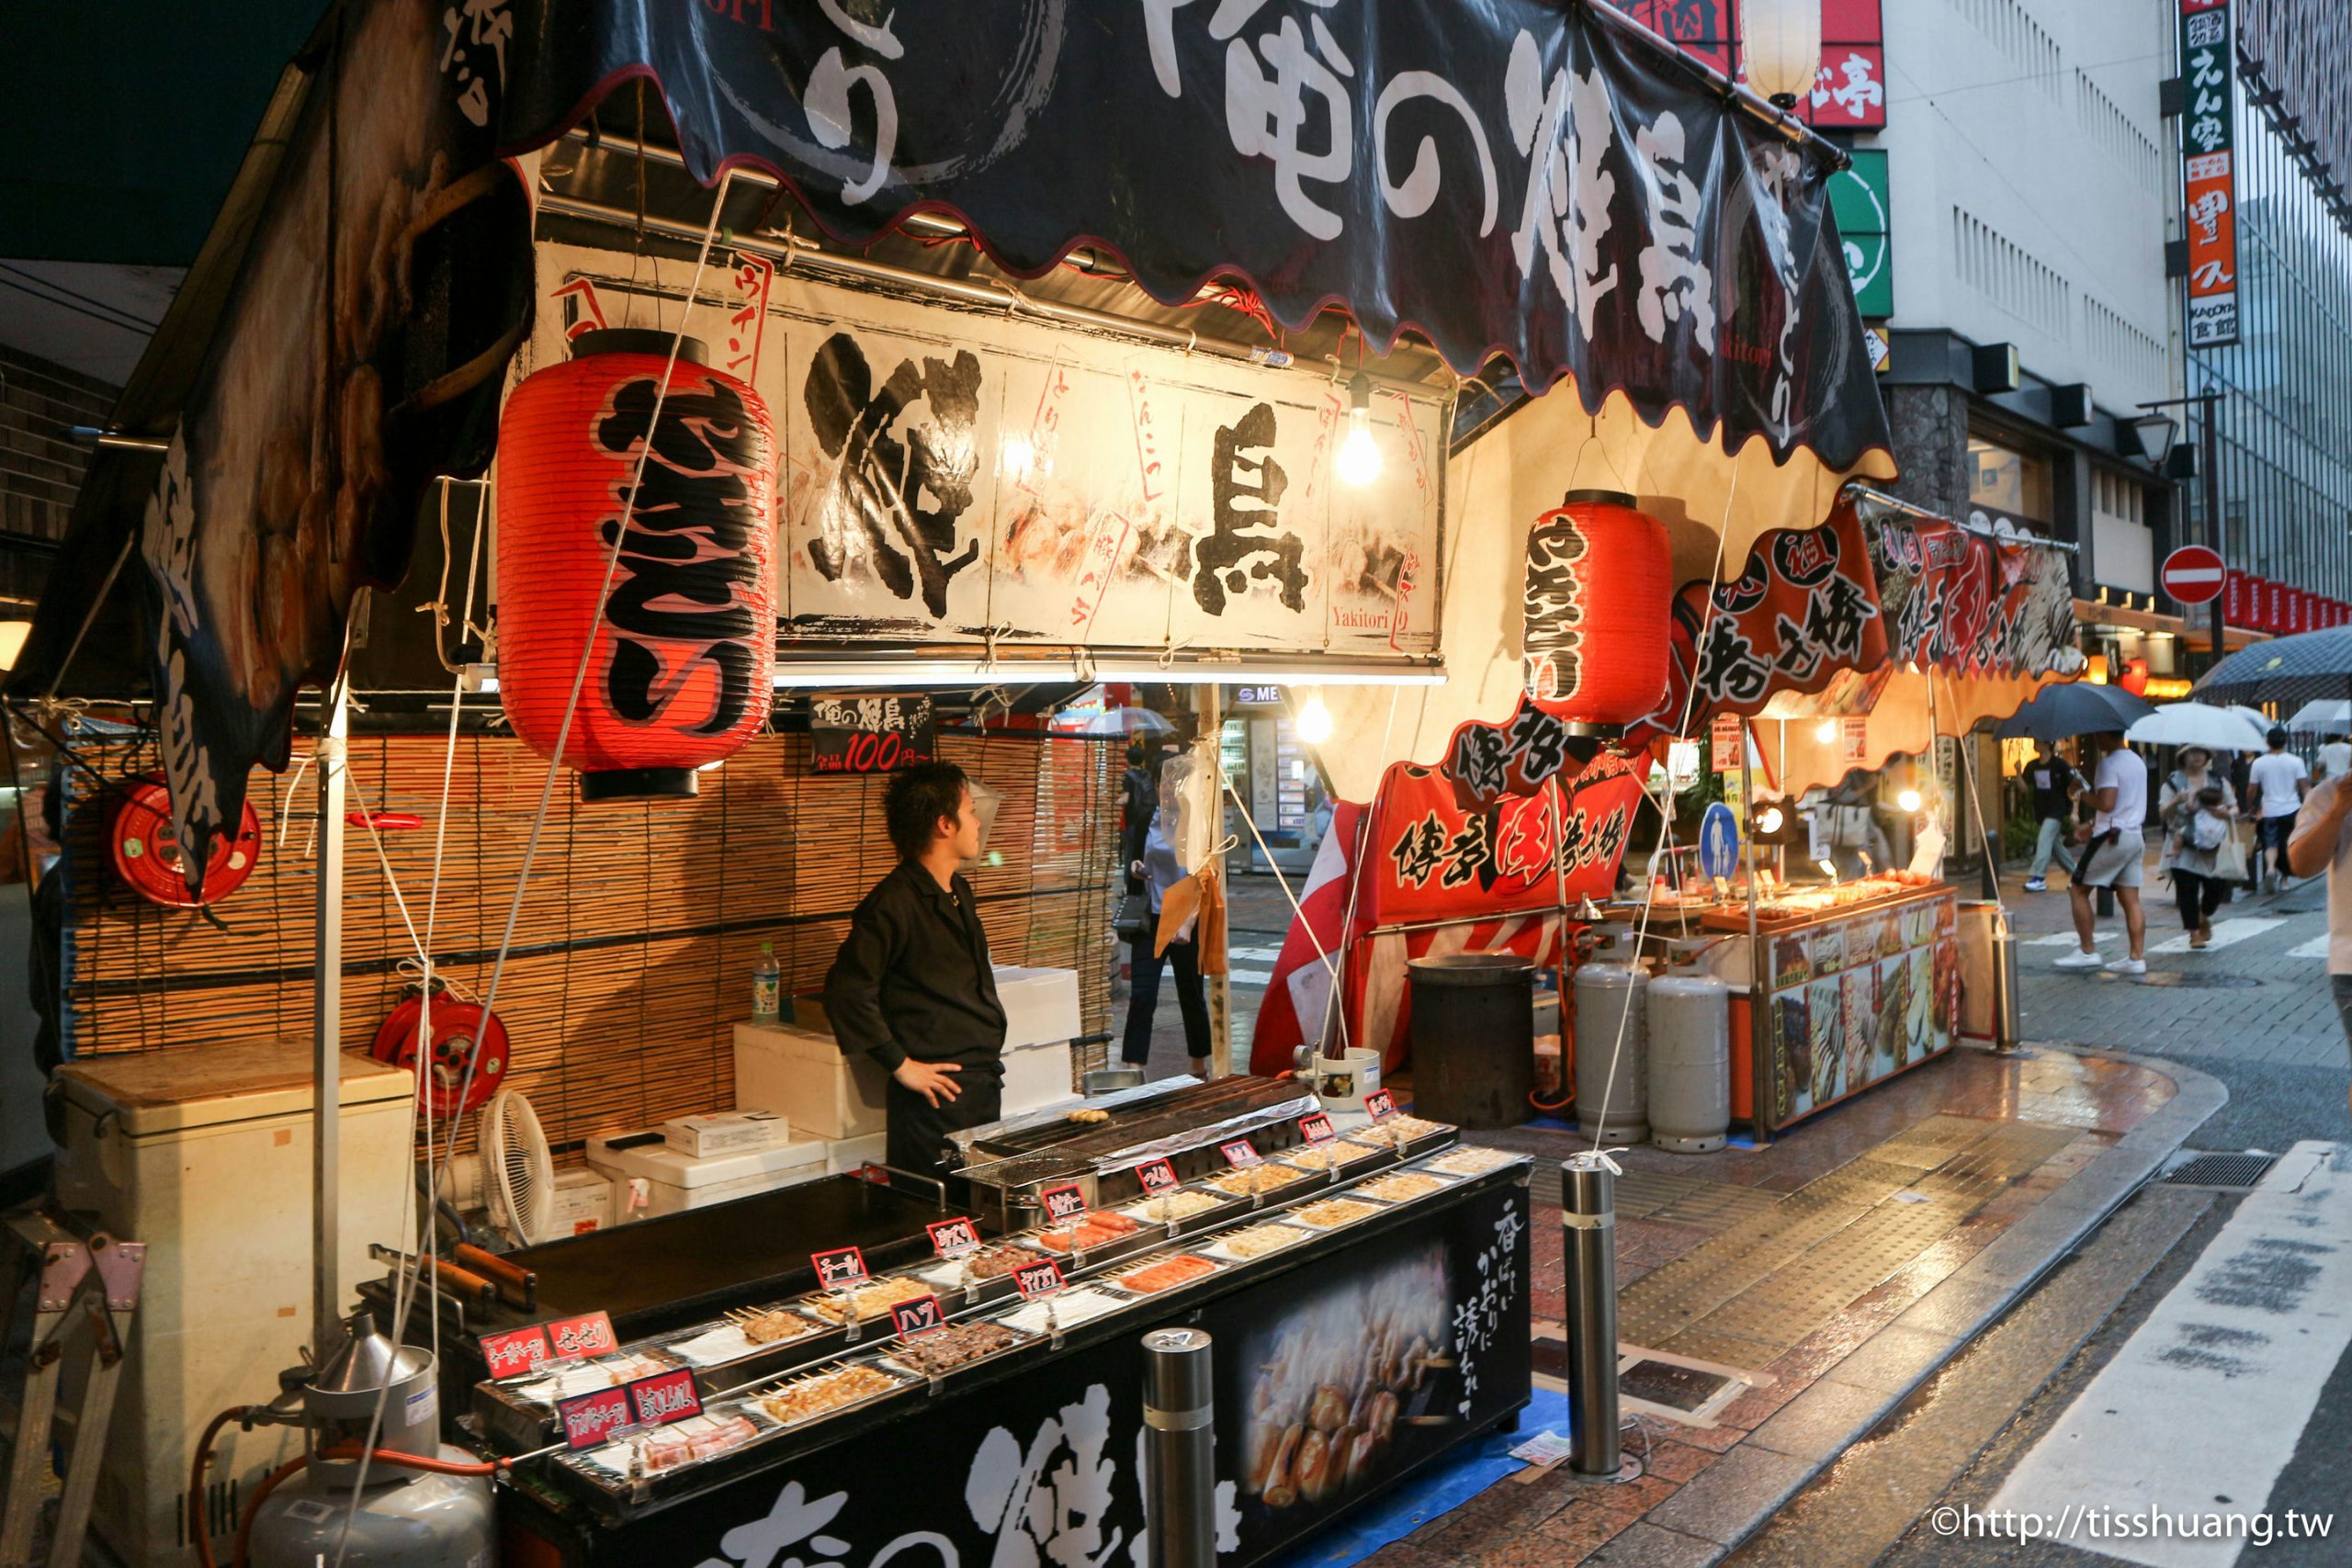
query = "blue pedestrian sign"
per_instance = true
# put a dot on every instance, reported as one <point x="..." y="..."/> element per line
<point x="1718" y="841"/>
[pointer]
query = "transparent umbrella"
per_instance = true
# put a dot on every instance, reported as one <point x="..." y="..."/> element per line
<point x="2327" y="715"/>
<point x="1124" y="721"/>
<point x="2197" y="724"/>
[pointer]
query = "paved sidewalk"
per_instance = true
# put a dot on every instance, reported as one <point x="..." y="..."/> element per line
<point x="1845" y="1265"/>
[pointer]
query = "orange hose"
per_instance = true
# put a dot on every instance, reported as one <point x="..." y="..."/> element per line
<point x="252" y="1510"/>
<point x="197" y="1467"/>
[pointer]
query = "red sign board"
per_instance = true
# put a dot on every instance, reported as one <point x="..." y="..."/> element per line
<point x="2208" y="170"/>
<point x="1065" y="1203"/>
<point x="664" y="1397"/>
<point x="953" y="1238"/>
<point x="516" y="1350"/>
<point x="842" y="1266"/>
<point x="1239" y="1154"/>
<point x="913" y="1319"/>
<point x="1380" y="1105"/>
<point x="2195" y="575"/>
<point x="1315" y="1128"/>
<point x="589" y="1335"/>
<point x="1156" y="1176"/>
<point x="590" y="1419"/>
<point x="1041" y="1278"/>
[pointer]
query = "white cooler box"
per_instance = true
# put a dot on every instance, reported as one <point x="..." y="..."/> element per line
<point x="658" y="1179"/>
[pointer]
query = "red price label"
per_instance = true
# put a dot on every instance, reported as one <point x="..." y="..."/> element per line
<point x="516" y="1350"/>
<point x="920" y="1316"/>
<point x="1041" y="1278"/>
<point x="1317" y="1128"/>
<point x="1240" y="1154"/>
<point x="953" y="1238"/>
<point x="664" y="1397"/>
<point x="589" y="1335"/>
<point x="1156" y="1176"/>
<point x="842" y="1266"/>
<point x="1063" y="1202"/>
<point x="1380" y="1105"/>
<point x="590" y="1419"/>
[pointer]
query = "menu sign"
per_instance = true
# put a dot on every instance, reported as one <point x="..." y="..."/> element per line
<point x="855" y="733"/>
<point x="1315" y="1128"/>
<point x="577" y="1337"/>
<point x="953" y="1238"/>
<point x="1043" y="1278"/>
<point x="915" y="1318"/>
<point x="516" y="1350"/>
<point x="664" y="1397"/>
<point x="842" y="1267"/>
<point x="1065" y="1203"/>
<point x="1380" y="1105"/>
<point x="1240" y="1154"/>
<point x="2208" y="170"/>
<point x="590" y="1419"/>
<point x="1156" y="1176"/>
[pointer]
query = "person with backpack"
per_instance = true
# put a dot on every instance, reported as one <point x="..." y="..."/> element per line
<point x="2200" y="815"/>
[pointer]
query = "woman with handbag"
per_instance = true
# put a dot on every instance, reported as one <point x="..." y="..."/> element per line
<point x="2201" y="830"/>
<point x="1139" y="922"/>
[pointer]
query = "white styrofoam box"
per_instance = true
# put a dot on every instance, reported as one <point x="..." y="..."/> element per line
<point x="658" y="1179"/>
<point x="802" y="1075"/>
<point x="848" y="1154"/>
<point x="583" y="1202"/>
<point x="205" y="1156"/>
<point x="1040" y="1005"/>
<point x="1036" y="1077"/>
<point x="724" y="1131"/>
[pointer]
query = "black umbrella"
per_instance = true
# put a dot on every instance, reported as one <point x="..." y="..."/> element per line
<point x="2298" y="669"/>
<point x="2077" y="707"/>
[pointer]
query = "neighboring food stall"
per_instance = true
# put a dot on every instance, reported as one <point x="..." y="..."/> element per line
<point x="646" y="363"/>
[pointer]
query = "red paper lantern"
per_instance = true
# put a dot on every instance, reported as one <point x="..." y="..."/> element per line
<point x="684" y="639"/>
<point x="1598" y="594"/>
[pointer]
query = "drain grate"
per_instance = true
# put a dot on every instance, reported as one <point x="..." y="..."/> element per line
<point x="2236" y="1171"/>
<point x="2182" y="980"/>
<point x="1686" y="1389"/>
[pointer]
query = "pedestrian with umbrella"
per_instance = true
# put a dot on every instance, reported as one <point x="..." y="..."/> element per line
<point x="2199" y="816"/>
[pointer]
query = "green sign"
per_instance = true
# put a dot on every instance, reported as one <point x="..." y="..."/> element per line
<point x="1858" y="197"/>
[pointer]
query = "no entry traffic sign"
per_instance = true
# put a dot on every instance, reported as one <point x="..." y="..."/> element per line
<point x="2193" y="574"/>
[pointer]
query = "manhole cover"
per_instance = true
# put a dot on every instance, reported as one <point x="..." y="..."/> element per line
<point x="2179" y="979"/>
<point x="1678" y="1388"/>
<point x="2240" y="1172"/>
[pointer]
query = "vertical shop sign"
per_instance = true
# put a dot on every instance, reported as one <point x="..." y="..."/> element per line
<point x="2208" y="170"/>
<point x="1857" y="195"/>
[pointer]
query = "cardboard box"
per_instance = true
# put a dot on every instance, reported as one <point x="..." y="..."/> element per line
<point x="658" y="1179"/>
<point x="725" y="1132"/>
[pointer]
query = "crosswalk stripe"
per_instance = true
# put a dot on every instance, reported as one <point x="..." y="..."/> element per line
<point x="2066" y="939"/>
<point x="2315" y="948"/>
<point x="2209" y="1397"/>
<point x="1264" y="954"/>
<point x="2225" y="933"/>
<point x="1252" y="977"/>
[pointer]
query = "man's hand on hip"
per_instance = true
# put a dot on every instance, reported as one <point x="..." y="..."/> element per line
<point x="934" y="1082"/>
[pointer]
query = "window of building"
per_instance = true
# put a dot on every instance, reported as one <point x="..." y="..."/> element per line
<point x="2123" y="549"/>
<point x="2005" y="482"/>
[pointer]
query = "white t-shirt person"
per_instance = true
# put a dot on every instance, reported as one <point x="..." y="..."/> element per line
<point x="2277" y="778"/>
<point x="2126" y="775"/>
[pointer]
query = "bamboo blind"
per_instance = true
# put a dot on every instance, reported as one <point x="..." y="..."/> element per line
<point x="634" y="950"/>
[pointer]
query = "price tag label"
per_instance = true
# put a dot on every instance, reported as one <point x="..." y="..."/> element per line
<point x="1156" y="1176"/>
<point x="1315" y="1128"/>
<point x="1043" y="1278"/>
<point x="918" y="1318"/>
<point x="1380" y="1105"/>
<point x="1240" y="1154"/>
<point x="1065" y="1202"/>
<point x="842" y="1267"/>
<point x="516" y="1350"/>
<point x="953" y="1238"/>
<point x="664" y="1397"/>
<point x="590" y="1419"/>
<point x="578" y="1337"/>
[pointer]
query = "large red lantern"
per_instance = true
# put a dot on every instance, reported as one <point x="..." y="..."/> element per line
<point x="1599" y="594"/>
<point x="681" y="669"/>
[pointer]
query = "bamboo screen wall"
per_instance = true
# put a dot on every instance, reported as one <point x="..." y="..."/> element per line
<point x="640" y="928"/>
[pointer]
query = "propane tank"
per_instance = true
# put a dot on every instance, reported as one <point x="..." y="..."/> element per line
<point x="403" y="1517"/>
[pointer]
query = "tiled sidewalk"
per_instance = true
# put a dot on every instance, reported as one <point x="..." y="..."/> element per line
<point x="2015" y="1157"/>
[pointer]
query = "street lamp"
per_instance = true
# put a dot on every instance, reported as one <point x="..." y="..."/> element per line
<point x="2209" y="469"/>
<point x="2155" y="434"/>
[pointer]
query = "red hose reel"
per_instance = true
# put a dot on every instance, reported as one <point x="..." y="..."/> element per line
<point x="146" y="848"/>
<point x="462" y="1030"/>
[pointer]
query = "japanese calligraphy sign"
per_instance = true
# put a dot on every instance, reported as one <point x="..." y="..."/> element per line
<point x="2208" y="170"/>
<point x="664" y="1397"/>
<point x="1043" y="1278"/>
<point x="577" y="1337"/>
<point x="953" y="1238"/>
<point x="1434" y="858"/>
<point x="516" y="1350"/>
<point x="855" y="732"/>
<point x="1065" y="1203"/>
<point x="839" y="1269"/>
<point x="1380" y="1105"/>
<point x="1156" y="1176"/>
<point x="912" y="1320"/>
<point x="1315" y="1128"/>
<point x="1240" y="1154"/>
<point x="590" y="1419"/>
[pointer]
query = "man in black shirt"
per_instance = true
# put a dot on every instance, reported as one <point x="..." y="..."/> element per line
<point x="911" y="985"/>
<point x="2053" y="783"/>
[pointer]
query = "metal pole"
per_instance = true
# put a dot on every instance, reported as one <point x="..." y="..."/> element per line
<point x="1220" y="985"/>
<point x="1180" y="1459"/>
<point x="1758" y="1057"/>
<point x="2209" y="465"/>
<point x="326" y="1035"/>
<point x="1589" y="1250"/>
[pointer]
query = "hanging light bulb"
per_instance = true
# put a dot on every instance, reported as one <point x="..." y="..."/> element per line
<point x="1770" y="819"/>
<point x="1360" y="454"/>
<point x="1780" y="45"/>
<point x="1825" y="731"/>
<point x="1908" y="800"/>
<point x="1314" y="722"/>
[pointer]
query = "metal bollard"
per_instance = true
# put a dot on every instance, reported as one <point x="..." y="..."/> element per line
<point x="1588" y="1220"/>
<point x="2007" y="1026"/>
<point x="1180" y="1468"/>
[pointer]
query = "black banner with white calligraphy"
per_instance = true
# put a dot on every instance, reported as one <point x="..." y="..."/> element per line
<point x="1519" y="177"/>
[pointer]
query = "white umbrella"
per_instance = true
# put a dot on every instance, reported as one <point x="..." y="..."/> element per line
<point x="2197" y="724"/>
<point x="2255" y="717"/>
<point x="1126" y="721"/>
<point x="2328" y="715"/>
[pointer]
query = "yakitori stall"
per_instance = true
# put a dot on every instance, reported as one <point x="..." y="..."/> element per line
<point x="665" y="375"/>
